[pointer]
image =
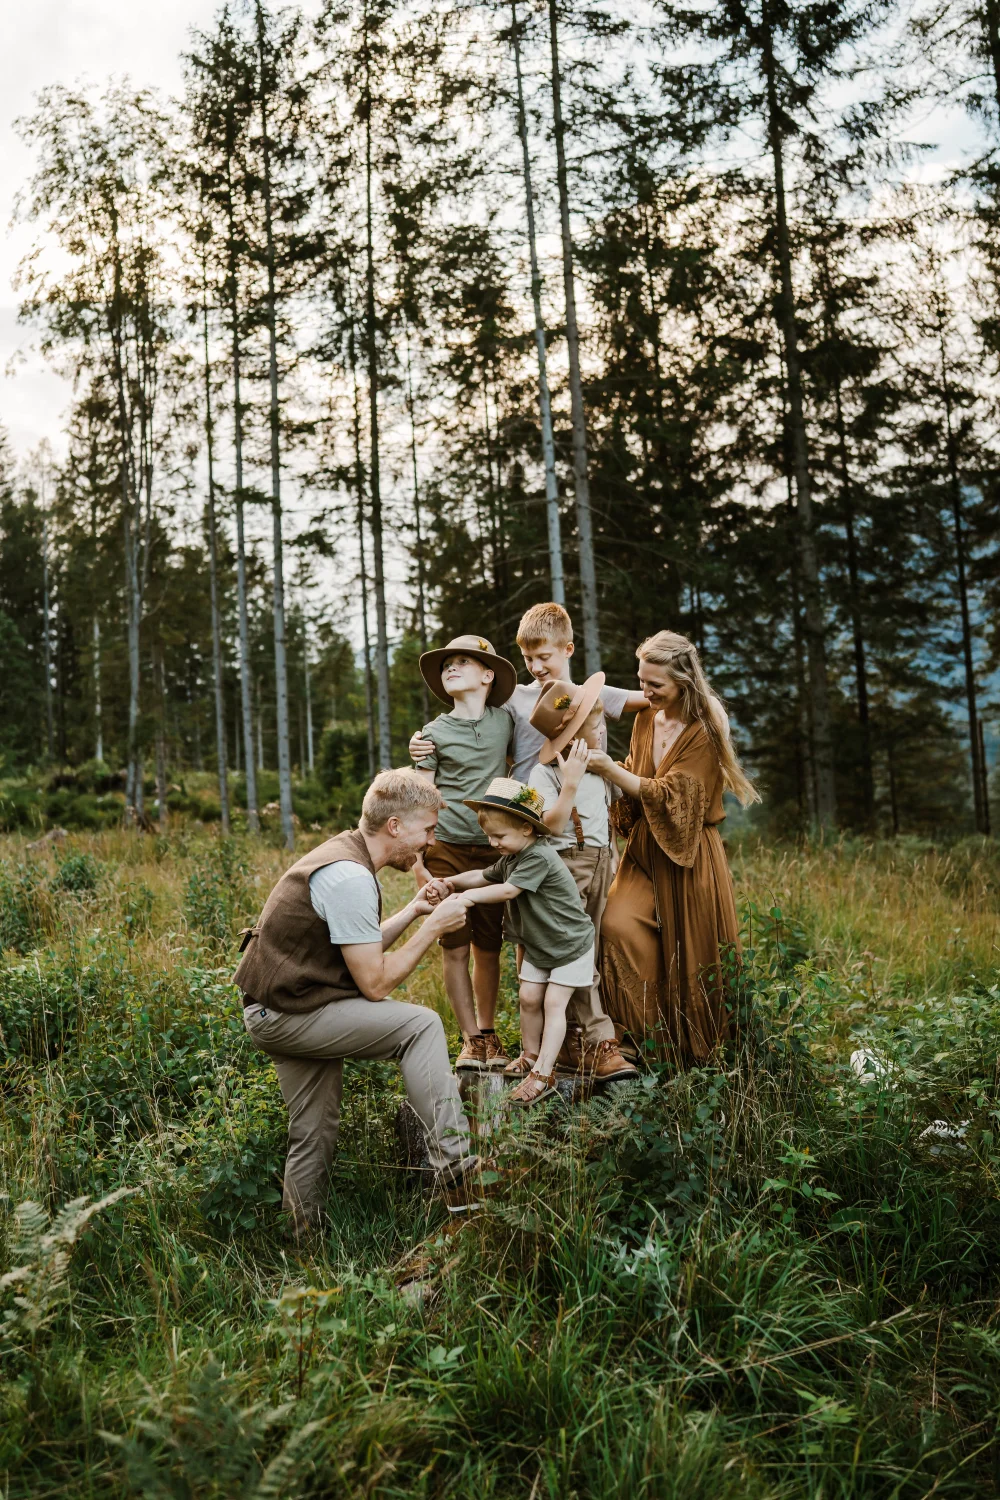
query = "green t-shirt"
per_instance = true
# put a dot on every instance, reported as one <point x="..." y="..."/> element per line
<point x="468" y="755"/>
<point x="548" y="916"/>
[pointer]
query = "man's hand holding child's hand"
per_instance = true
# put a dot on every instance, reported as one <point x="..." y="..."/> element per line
<point x="436" y="890"/>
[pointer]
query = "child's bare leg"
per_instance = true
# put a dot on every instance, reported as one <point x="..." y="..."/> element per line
<point x="458" y="987"/>
<point x="554" y="1029"/>
<point x="485" y="984"/>
<point x="532" y="998"/>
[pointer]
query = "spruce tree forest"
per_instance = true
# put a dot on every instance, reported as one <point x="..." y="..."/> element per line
<point x="400" y="320"/>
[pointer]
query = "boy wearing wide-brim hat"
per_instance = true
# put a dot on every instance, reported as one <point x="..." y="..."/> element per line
<point x="577" y="806"/>
<point x="470" y="747"/>
<point x="544" y="916"/>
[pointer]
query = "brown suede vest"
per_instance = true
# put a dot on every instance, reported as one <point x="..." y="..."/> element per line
<point x="288" y="959"/>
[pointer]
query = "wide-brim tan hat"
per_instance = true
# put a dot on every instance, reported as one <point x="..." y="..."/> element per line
<point x="551" y="709"/>
<point x="504" y="794"/>
<point x="504" y="671"/>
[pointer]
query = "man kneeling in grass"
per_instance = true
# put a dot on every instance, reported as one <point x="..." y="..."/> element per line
<point x="316" y="977"/>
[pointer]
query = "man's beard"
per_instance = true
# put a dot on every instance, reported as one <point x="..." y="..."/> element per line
<point x="403" y="861"/>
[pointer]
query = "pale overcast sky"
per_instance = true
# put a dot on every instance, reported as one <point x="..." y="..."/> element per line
<point x="62" y="41"/>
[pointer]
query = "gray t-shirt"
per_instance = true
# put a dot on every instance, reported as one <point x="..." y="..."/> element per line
<point x="528" y="740"/>
<point x="345" y="895"/>
<point x="468" y="755"/>
<point x="547" y="916"/>
<point x="594" y="797"/>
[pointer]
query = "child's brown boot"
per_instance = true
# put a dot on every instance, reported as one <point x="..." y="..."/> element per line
<point x="496" y="1057"/>
<point x="603" y="1062"/>
<point x="571" y="1053"/>
<point x="473" y="1057"/>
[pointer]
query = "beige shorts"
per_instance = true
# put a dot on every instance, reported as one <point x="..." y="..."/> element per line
<point x="577" y="974"/>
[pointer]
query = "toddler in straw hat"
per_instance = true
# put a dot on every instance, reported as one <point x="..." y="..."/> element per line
<point x="544" y="916"/>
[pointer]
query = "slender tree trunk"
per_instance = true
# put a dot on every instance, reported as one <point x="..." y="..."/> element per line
<point x="280" y="653"/>
<point x="893" y="790"/>
<point x="552" y="518"/>
<point x="854" y="604"/>
<point x="246" y="684"/>
<point x="213" y="570"/>
<point x="991" y="26"/>
<point x="374" y="480"/>
<point x="584" y="524"/>
<point x="98" y="707"/>
<point x="163" y="816"/>
<point x="47" y="630"/>
<point x="359" y="487"/>
<point x="421" y="579"/>
<point x="310" y="759"/>
<point x="958" y="522"/>
<point x="260" y="729"/>
<point x="826" y="792"/>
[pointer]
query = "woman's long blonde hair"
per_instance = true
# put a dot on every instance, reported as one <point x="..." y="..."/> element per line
<point x="679" y="659"/>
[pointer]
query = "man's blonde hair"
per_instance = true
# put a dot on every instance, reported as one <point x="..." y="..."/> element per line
<point x="544" y="622"/>
<point x="397" y="794"/>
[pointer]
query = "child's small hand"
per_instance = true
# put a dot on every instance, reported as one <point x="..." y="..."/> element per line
<point x="575" y="763"/>
<point x="436" y="890"/>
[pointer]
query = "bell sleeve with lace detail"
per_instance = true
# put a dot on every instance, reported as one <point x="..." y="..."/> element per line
<point x="676" y="803"/>
<point x="624" y="811"/>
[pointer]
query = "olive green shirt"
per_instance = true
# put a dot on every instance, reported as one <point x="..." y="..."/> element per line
<point x="547" y="917"/>
<point x="468" y="755"/>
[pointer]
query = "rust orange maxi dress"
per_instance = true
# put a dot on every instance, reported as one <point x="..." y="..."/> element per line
<point x="671" y="908"/>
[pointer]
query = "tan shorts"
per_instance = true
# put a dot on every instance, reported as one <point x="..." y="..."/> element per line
<point x="484" y="923"/>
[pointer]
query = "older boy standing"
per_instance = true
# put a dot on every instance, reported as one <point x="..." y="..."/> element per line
<point x="468" y="748"/>
<point x="577" y="806"/>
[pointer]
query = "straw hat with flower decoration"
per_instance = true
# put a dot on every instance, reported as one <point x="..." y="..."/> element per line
<point x="506" y="795"/>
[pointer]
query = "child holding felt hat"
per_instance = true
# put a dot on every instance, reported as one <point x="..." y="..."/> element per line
<point x="577" y="805"/>
<point x="544" y="916"/>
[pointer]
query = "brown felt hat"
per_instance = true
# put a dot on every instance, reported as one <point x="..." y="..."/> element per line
<point x="504" y="672"/>
<point x="504" y="794"/>
<point x="558" y="700"/>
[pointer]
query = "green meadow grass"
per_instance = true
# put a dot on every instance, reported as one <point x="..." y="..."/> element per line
<point x="756" y="1279"/>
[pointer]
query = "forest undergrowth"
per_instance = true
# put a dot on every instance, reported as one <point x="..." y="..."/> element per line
<point x="775" y="1276"/>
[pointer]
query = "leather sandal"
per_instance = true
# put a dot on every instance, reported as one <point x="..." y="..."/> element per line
<point x="533" y="1089"/>
<point x="520" y="1067"/>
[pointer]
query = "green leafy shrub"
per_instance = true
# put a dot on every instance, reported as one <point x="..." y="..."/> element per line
<point x="219" y="898"/>
<point x="21" y="910"/>
<point x="78" y="873"/>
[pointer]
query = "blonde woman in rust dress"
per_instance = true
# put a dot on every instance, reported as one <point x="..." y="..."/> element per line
<point x="671" y="913"/>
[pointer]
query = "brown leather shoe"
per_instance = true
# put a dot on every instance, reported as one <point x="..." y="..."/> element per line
<point x="533" y="1089"/>
<point x="603" y="1062"/>
<point x="496" y="1057"/>
<point x="473" y="1056"/>
<point x="571" y="1053"/>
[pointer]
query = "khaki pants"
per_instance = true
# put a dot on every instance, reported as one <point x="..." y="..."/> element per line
<point x="308" y="1052"/>
<point x="591" y="869"/>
